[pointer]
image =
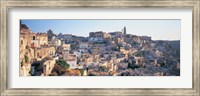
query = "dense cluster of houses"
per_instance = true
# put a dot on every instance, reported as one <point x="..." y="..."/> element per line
<point x="100" y="54"/>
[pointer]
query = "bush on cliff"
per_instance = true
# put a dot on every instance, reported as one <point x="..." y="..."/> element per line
<point x="63" y="63"/>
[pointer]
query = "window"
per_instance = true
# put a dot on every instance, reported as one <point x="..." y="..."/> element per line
<point x="38" y="54"/>
<point x="33" y="37"/>
<point x="22" y="42"/>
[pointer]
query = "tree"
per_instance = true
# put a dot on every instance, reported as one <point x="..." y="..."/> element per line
<point x="115" y="49"/>
<point x="82" y="71"/>
<point x="103" y="68"/>
<point x="139" y="54"/>
<point x="63" y="63"/>
<point x="91" y="74"/>
<point x="132" y="66"/>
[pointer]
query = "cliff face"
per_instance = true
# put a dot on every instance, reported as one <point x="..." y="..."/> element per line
<point x="26" y="53"/>
<point x="26" y="57"/>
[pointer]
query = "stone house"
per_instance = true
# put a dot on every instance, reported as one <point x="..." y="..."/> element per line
<point x="146" y="38"/>
<point x="42" y="38"/>
<point x="140" y="61"/>
<point x="71" y="60"/>
<point x="52" y="51"/>
<point x="56" y="42"/>
<point x="34" y="40"/>
<point x="83" y="47"/>
<point x="103" y="63"/>
<point x="45" y="51"/>
<point x="98" y="36"/>
<point x="66" y="47"/>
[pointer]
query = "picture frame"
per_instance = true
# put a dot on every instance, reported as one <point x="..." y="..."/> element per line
<point x="4" y="42"/>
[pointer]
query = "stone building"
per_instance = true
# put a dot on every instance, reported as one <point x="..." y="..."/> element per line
<point x="44" y="51"/>
<point x="34" y="40"/>
<point x="116" y="34"/>
<point x="41" y="53"/>
<point x="48" y="66"/>
<point x="71" y="60"/>
<point x="83" y="47"/>
<point x="52" y="51"/>
<point x="88" y="60"/>
<point x="146" y="38"/>
<point x="50" y="34"/>
<point x="42" y="38"/>
<point x="119" y="40"/>
<point x="124" y="30"/>
<point x="31" y="39"/>
<point x="64" y="47"/>
<point x="98" y="36"/>
<point x="140" y="61"/>
<point x="55" y="41"/>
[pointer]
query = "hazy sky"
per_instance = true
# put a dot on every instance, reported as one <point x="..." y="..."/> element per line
<point x="157" y="29"/>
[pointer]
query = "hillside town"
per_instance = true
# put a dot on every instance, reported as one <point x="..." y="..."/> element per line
<point x="100" y="54"/>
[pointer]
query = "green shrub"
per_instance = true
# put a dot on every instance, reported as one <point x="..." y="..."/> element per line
<point x="63" y="63"/>
<point x="132" y="66"/>
<point x="82" y="71"/>
<point x="91" y="74"/>
<point x="115" y="48"/>
<point x="26" y="58"/>
<point x="103" y="68"/>
<point x="140" y="54"/>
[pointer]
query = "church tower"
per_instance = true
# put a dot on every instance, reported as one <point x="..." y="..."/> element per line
<point x="124" y="30"/>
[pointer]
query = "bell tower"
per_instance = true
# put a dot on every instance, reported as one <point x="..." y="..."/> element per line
<point x="124" y="30"/>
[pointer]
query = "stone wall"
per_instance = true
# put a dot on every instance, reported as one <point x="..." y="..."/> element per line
<point x="25" y="51"/>
<point x="48" y="66"/>
<point x="42" y="38"/>
<point x="44" y="52"/>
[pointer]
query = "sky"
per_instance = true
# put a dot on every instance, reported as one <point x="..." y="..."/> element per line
<point x="157" y="29"/>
